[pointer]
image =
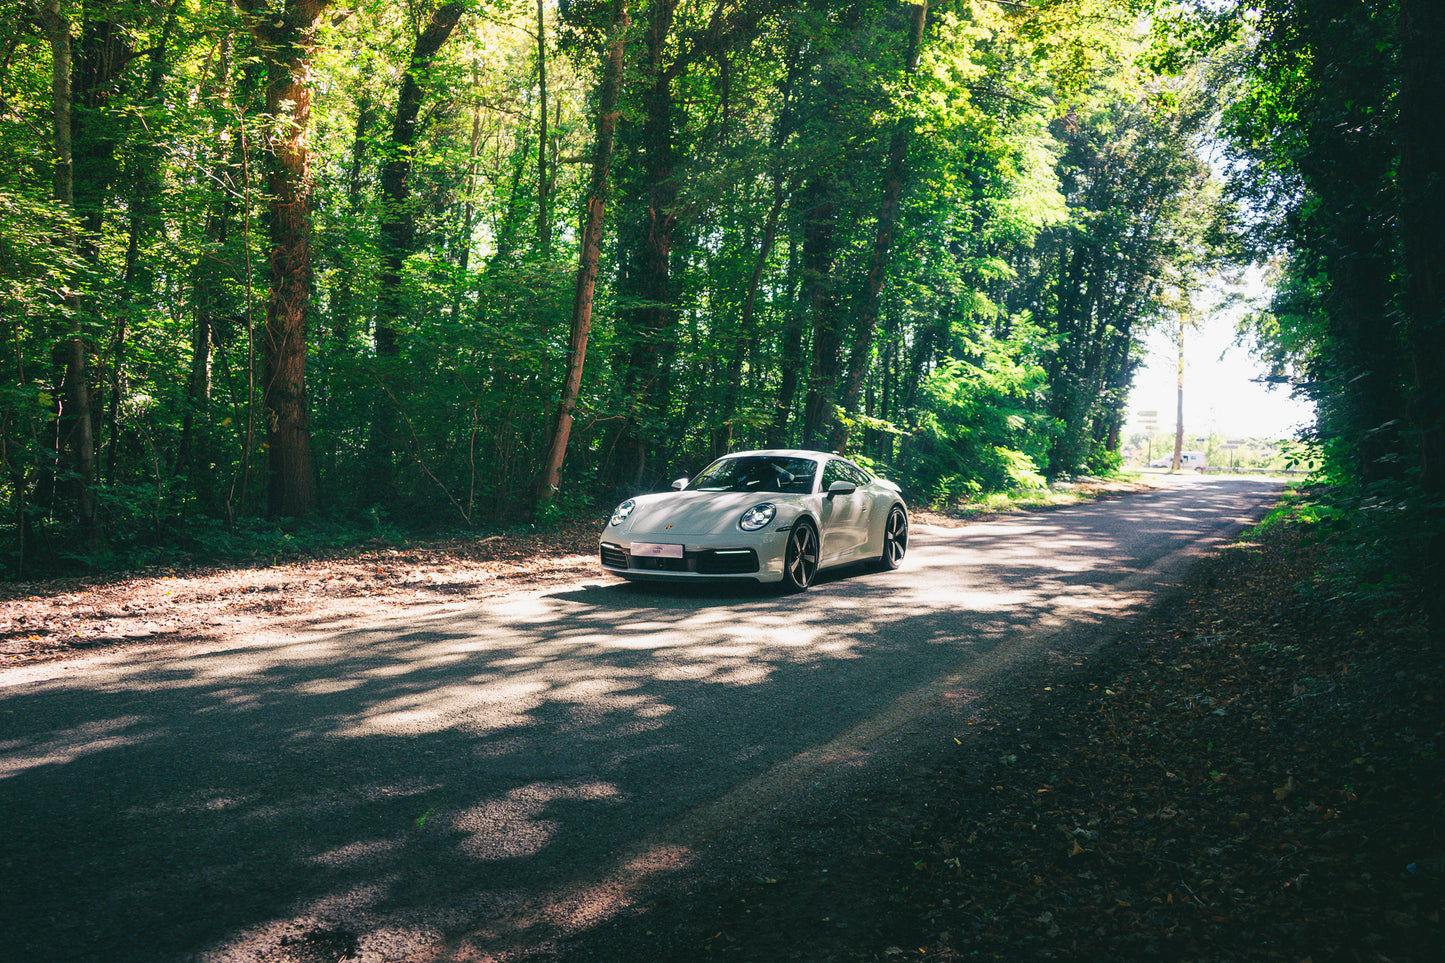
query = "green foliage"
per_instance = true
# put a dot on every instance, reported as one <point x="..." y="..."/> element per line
<point x="1103" y="461"/>
<point x="981" y="431"/>
<point x="1313" y="116"/>
<point x="1042" y="195"/>
<point x="1381" y="540"/>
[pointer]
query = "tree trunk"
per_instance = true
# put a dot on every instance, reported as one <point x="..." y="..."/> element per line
<point x="882" y="245"/>
<point x="590" y="255"/>
<point x="286" y="38"/>
<point x="73" y="415"/>
<point x="398" y="237"/>
<point x="819" y="247"/>
<point x="646" y="276"/>
<point x="544" y="216"/>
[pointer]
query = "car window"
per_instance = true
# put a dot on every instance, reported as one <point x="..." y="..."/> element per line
<point x="762" y="473"/>
<point x="834" y="471"/>
<point x="839" y="470"/>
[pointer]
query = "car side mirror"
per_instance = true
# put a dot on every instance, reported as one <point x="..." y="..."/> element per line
<point x="841" y="487"/>
<point x="679" y="485"/>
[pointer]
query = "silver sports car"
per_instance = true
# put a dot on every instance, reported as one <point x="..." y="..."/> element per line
<point x="770" y="516"/>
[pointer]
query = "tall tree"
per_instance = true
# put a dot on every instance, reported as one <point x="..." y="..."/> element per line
<point x="659" y="216"/>
<point x="285" y="32"/>
<point x="782" y="185"/>
<point x="1137" y="243"/>
<point x="645" y="281"/>
<point x="609" y="94"/>
<point x="398" y="237"/>
<point x="888" y="212"/>
<point x="544" y="177"/>
<point x="76" y="434"/>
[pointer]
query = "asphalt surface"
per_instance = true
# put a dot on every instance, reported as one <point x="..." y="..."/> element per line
<point x="468" y="785"/>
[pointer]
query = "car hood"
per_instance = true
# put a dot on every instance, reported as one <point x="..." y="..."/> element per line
<point x="675" y="514"/>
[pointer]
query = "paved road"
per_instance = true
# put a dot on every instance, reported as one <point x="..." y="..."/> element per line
<point x="482" y="779"/>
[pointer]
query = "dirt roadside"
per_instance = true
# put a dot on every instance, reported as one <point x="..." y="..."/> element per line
<point x="65" y="618"/>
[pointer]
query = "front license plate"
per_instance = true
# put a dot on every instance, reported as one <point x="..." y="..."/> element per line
<point x="654" y="550"/>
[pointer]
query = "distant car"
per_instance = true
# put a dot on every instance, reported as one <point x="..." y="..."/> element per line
<point x="1187" y="459"/>
<point x="770" y="516"/>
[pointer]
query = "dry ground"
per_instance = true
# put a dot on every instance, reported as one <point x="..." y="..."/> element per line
<point x="60" y="618"/>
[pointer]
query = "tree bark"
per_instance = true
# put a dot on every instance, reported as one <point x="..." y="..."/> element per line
<point x="590" y="255"/>
<point x="544" y="216"/>
<point x="74" y="418"/>
<point x="286" y="37"/>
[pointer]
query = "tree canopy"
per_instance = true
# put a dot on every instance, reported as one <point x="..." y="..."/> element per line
<point x="457" y="263"/>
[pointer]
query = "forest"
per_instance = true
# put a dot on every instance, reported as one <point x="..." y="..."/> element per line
<point x="456" y="265"/>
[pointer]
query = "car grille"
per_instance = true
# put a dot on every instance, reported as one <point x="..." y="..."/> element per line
<point x="649" y="564"/>
<point x="739" y="561"/>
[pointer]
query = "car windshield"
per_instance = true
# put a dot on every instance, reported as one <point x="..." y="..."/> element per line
<point x="757" y="473"/>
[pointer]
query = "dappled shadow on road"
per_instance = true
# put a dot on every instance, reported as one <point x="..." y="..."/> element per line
<point x="414" y="783"/>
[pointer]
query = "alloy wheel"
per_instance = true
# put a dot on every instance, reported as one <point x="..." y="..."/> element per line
<point x="800" y="564"/>
<point x="895" y="539"/>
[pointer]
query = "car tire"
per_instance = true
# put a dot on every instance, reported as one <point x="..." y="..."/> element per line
<point x="895" y="539"/>
<point x="800" y="560"/>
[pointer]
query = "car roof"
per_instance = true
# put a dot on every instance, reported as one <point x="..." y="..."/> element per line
<point x="781" y="453"/>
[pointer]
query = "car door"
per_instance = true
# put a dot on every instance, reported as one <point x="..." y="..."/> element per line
<point x="844" y="517"/>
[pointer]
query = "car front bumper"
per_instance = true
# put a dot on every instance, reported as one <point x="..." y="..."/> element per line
<point x="762" y="562"/>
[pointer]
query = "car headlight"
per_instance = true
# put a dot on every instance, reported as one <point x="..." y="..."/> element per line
<point x="759" y="516"/>
<point x="622" y="511"/>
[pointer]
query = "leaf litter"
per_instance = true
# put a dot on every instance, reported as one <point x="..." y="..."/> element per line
<point x="1251" y="771"/>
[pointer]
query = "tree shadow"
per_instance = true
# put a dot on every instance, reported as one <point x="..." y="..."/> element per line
<point x="434" y="776"/>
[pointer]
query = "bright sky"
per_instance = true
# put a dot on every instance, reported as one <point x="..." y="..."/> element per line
<point x="1219" y="393"/>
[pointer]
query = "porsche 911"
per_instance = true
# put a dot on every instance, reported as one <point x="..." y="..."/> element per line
<point x="770" y="516"/>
